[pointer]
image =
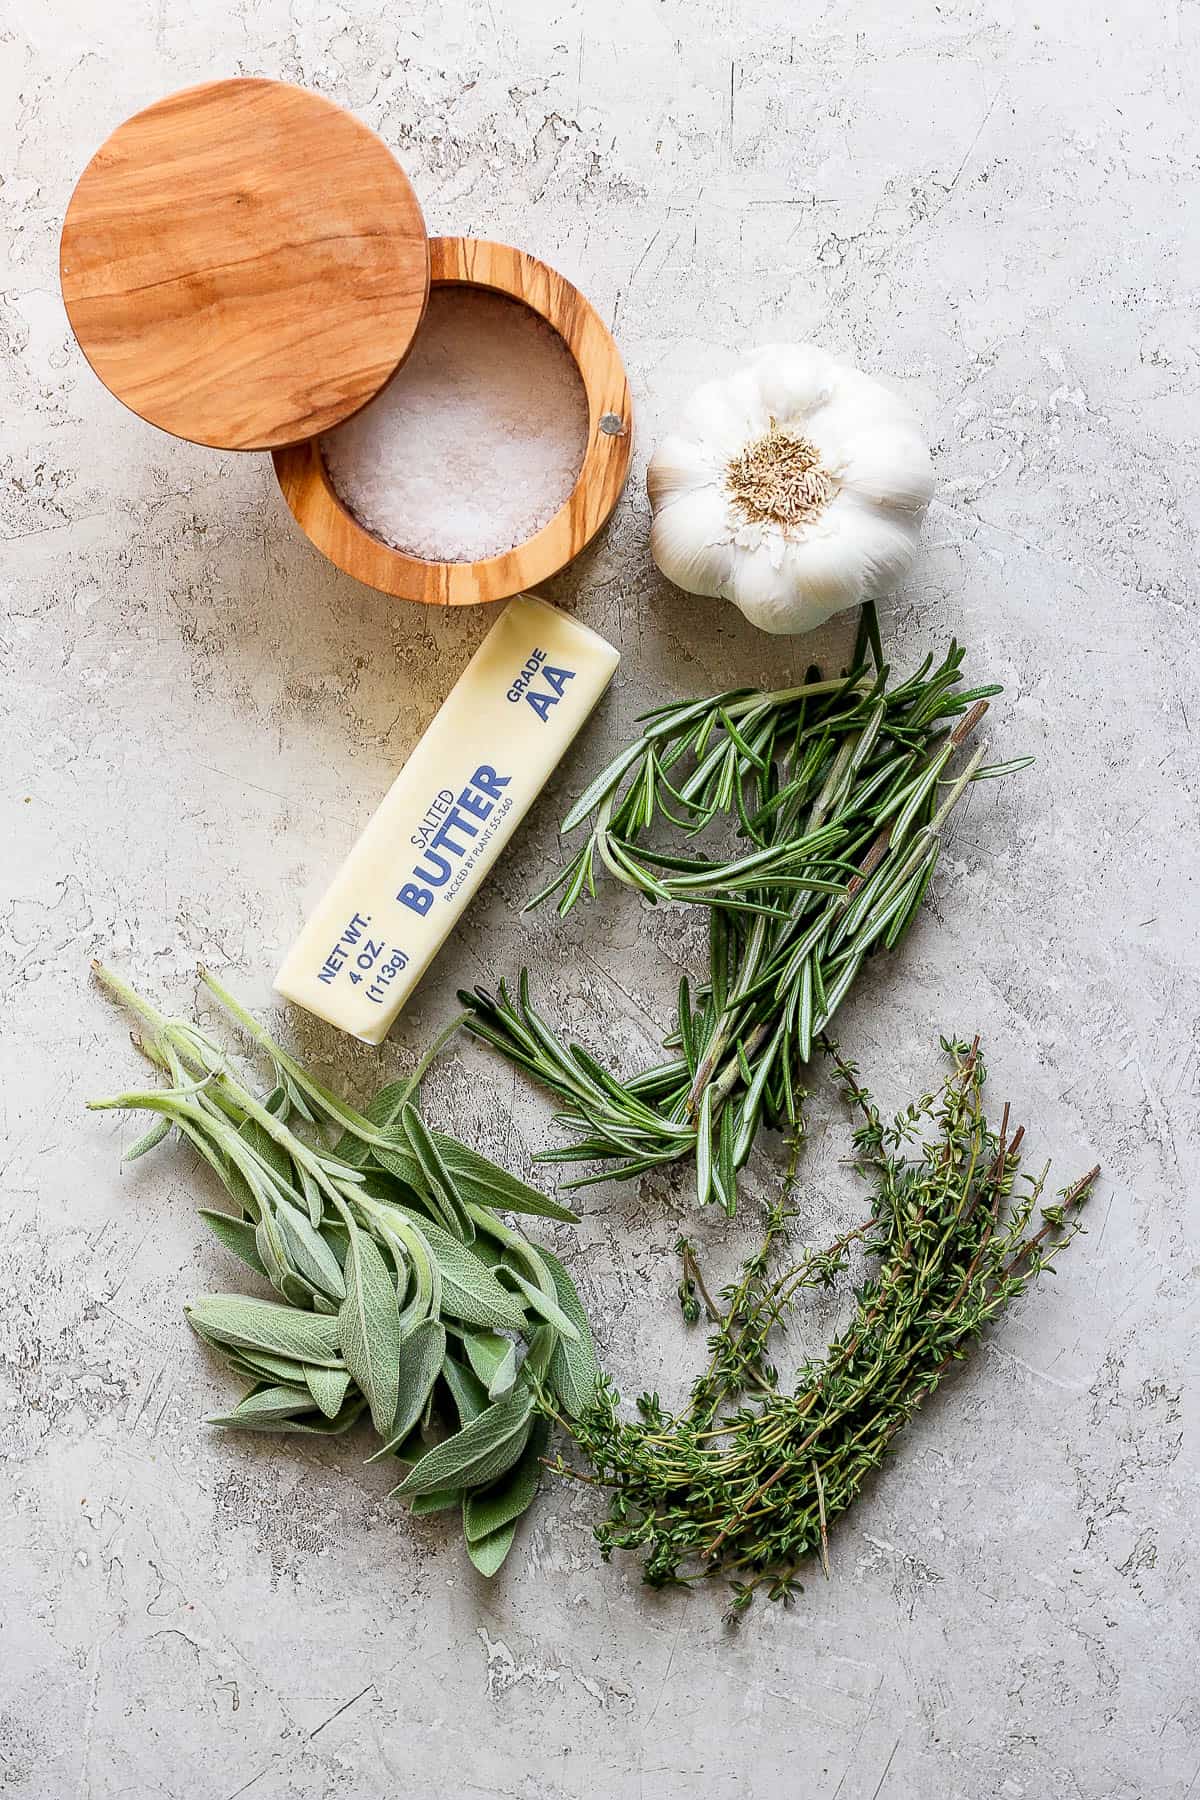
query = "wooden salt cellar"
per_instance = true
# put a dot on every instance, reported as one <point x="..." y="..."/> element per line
<point x="245" y="265"/>
<point x="473" y="262"/>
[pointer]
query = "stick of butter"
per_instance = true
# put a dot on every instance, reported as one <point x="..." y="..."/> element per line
<point x="464" y="790"/>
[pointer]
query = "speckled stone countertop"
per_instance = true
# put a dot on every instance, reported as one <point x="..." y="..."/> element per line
<point x="995" y="206"/>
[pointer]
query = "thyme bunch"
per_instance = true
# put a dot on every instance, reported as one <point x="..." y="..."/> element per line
<point x="748" y="1478"/>
<point x="841" y="791"/>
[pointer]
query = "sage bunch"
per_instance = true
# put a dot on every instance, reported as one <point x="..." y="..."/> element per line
<point x="841" y="791"/>
<point x="404" y="1300"/>
<point x="747" y="1479"/>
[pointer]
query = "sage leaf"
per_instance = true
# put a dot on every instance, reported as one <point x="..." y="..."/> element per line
<point x="293" y="1287"/>
<point x="494" y="1464"/>
<point x="469" y="1289"/>
<point x="471" y="1292"/>
<point x="574" y="1367"/>
<point x="259" y="1366"/>
<point x="379" y="1184"/>
<point x="149" y="1140"/>
<point x="486" y="1184"/>
<point x="489" y="1553"/>
<point x="272" y="1255"/>
<point x="265" y="1325"/>
<point x="549" y="1309"/>
<point x="312" y="1194"/>
<point x="397" y="1161"/>
<point x="504" y="1376"/>
<point x="233" y="1181"/>
<point x="312" y="1256"/>
<point x="368" y="1328"/>
<point x="489" y="1509"/>
<point x="267" y="1404"/>
<point x="467" y="1391"/>
<point x="338" y="1239"/>
<point x="438" y="1181"/>
<point x="327" y="1387"/>
<point x="384" y="1112"/>
<point x="403" y="1232"/>
<point x="267" y="1150"/>
<point x="237" y="1235"/>
<point x="440" y="1500"/>
<point x="389" y="1103"/>
<point x="486" y="1350"/>
<point x="481" y="1451"/>
<point x="421" y="1355"/>
<point x="414" y="1447"/>
<point x="488" y="1250"/>
<point x="479" y="1182"/>
<point x="307" y="1425"/>
<point x="542" y="1346"/>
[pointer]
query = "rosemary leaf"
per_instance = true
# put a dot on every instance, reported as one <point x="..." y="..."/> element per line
<point x="841" y="790"/>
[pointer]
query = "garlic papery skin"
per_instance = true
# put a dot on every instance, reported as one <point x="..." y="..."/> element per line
<point x="794" y="487"/>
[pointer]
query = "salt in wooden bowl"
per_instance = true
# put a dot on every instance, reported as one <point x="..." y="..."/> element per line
<point x="331" y="525"/>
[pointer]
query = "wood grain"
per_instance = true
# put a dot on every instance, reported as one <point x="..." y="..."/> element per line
<point x="244" y="264"/>
<point x="321" y="515"/>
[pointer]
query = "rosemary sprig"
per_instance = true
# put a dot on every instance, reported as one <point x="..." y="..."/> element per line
<point x="841" y="791"/>
<point x="748" y="1478"/>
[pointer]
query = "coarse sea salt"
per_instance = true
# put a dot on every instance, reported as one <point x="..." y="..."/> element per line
<point x="475" y="443"/>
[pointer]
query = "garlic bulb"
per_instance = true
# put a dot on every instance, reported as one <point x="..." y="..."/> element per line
<point x="794" y="487"/>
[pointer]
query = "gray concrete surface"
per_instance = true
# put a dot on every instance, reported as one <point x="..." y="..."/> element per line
<point x="996" y="206"/>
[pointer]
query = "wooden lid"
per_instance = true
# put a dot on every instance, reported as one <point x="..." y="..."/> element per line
<point x="244" y="264"/>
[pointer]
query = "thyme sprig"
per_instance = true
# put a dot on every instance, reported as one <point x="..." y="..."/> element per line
<point x="841" y="791"/>
<point x="748" y="1478"/>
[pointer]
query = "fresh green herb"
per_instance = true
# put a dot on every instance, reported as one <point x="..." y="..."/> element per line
<point x="841" y="791"/>
<point x="748" y="1479"/>
<point x="391" y="1267"/>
